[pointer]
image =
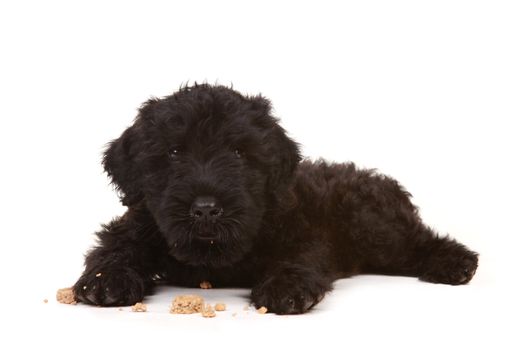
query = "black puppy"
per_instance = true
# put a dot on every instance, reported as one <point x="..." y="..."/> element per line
<point x="217" y="192"/>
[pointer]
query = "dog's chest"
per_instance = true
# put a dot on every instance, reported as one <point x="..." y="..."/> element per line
<point x="241" y="274"/>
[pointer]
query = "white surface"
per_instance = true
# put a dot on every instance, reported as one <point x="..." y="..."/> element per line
<point x="367" y="312"/>
<point x="430" y="93"/>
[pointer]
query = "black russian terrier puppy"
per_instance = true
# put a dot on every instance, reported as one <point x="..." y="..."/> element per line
<point x="217" y="192"/>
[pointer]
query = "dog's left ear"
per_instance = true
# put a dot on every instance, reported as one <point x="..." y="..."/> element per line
<point x="284" y="151"/>
<point x="286" y="157"/>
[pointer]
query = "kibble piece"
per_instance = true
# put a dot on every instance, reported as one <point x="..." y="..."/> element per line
<point x="262" y="310"/>
<point x="205" y="285"/>
<point x="208" y="311"/>
<point x="45" y="301"/>
<point x="220" y="307"/>
<point x="66" y="296"/>
<point x="139" y="307"/>
<point x="186" y="304"/>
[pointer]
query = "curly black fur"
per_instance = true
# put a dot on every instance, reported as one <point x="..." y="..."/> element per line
<point x="284" y="227"/>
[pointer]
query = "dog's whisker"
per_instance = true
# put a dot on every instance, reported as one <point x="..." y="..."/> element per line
<point x="228" y="220"/>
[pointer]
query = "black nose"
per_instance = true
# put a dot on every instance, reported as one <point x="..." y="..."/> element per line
<point x="205" y="208"/>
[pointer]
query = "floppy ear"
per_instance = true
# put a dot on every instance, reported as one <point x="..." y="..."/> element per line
<point x="286" y="157"/>
<point x="120" y="166"/>
<point x="285" y="152"/>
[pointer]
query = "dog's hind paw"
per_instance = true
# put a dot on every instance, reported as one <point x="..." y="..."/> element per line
<point x="110" y="287"/>
<point x="456" y="267"/>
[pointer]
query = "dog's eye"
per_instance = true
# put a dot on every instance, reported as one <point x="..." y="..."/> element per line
<point x="239" y="153"/>
<point x="173" y="153"/>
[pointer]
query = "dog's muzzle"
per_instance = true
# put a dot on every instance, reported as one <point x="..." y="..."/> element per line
<point x="205" y="211"/>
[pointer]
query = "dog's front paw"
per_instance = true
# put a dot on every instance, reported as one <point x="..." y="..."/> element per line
<point x="290" y="293"/>
<point x="110" y="287"/>
<point x="455" y="266"/>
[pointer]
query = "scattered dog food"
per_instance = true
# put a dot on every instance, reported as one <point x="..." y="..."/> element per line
<point x="220" y="307"/>
<point x="208" y="311"/>
<point x="139" y="307"/>
<point x="205" y="285"/>
<point x="45" y="301"/>
<point x="66" y="296"/>
<point x="182" y="304"/>
<point x="262" y="310"/>
<point x="186" y="304"/>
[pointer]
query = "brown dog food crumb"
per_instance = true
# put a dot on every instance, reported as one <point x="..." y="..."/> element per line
<point x="220" y="307"/>
<point x="262" y="310"/>
<point x="45" y="301"/>
<point x="186" y="304"/>
<point x="139" y="307"/>
<point x="208" y="311"/>
<point x="66" y="296"/>
<point x="205" y="285"/>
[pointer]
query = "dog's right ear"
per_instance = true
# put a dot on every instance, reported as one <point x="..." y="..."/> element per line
<point x="120" y="161"/>
<point x="119" y="164"/>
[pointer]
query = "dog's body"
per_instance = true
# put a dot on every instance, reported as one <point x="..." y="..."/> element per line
<point x="217" y="192"/>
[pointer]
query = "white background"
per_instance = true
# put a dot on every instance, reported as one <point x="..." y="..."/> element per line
<point x="431" y="93"/>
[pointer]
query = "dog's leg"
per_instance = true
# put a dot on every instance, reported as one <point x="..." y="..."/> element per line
<point x="442" y="259"/>
<point x="294" y="285"/>
<point x="119" y="271"/>
<point x="420" y="252"/>
<point x="380" y="231"/>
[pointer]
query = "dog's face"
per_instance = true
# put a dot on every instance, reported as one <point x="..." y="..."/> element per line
<point x="206" y="162"/>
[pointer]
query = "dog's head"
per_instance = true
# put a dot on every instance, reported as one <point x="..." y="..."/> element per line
<point x="206" y="161"/>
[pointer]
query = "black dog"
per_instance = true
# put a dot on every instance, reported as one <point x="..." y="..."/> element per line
<point x="217" y="192"/>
